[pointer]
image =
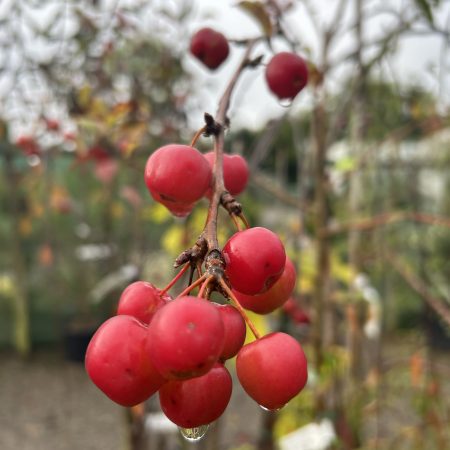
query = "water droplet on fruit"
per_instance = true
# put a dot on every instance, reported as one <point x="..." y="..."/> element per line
<point x="270" y="410"/>
<point x="194" y="434"/>
<point x="285" y="102"/>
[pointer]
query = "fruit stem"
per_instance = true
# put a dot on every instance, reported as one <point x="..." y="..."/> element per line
<point x="197" y="135"/>
<point x="236" y="222"/>
<point x="201" y="293"/>
<point x="193" y="285"/>
<point x="244" y="220"/>
<point x="175" y="279"/>
<point x="239" y="307"/>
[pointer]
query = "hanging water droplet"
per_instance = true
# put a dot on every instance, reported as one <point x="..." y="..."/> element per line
<point x="270" y="410"/>
<point x="285" y="102"/>
<point x="194" y="434"/>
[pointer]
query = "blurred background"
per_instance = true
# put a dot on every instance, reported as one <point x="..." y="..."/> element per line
<point x="353" y="175"/>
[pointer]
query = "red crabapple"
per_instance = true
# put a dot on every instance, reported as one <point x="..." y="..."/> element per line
<point x="186" y="338"/>
<point x="272" y="370"/>
<point x="177" y="176"/>
<point x="235" y="172"/>
<point x="255" y="259"/>
<point x="118" y="364"/>
<point x="141" y="300"/>
<point x="210" y="47"/>
<point x="286" y="75"/>
<point x="198" y="401"/>
<point x="275" y="296"/>
<point x="235" y="330"/>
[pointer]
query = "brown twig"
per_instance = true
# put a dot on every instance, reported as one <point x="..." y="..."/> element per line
<point x="370" y="223"/>
<point x="209" y="233"/>
<point x="438" y="305"/>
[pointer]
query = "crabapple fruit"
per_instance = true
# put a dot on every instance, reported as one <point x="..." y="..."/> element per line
<point x="198" y="401"/>
<point x="210" y="47"/>
<point x="235" y="330"/>
<point x="185" y="338"/>
<point x="177" y="176"/>
<point x="255" y="259"/>
<point x="272" y="370"/>
<point x="275" y="296"/>
<point x="141" y="300"/>
<point x="235" y="172"/>
<point x="118" y="364"/>
<point x="286" y="75"/>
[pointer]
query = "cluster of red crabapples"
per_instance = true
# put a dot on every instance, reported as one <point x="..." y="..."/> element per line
<point x="178" y="347"/>
<point x="286" y="73"/>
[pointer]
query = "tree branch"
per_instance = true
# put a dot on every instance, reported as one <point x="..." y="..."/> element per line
<point x="370" y="223"/>
<point x="437" y="304"/>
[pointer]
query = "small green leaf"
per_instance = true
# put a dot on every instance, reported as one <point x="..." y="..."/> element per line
<point x="345" y="164"/>
<point x="425" y="7"/>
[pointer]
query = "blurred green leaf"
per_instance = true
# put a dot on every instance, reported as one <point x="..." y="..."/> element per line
<point x="426" y="9"/>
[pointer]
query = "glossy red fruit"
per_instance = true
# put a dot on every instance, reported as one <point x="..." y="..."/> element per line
<point x="141" y="300"/>
<point x="177" y="176"/>
<point x="255" y="259"/>
<point x="275" y="296"/>
<point x="118" y="364"/>
<point x="210" y="47"/>
<point x="235" y="330"/>
<point x="235" y="172"/>
<point x="272" y="370"/>
<point x="286" y="75"/>
<point x="198" y="401"/>
<point x="186" y="338"/>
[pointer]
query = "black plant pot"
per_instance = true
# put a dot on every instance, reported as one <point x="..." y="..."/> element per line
<point x="76" y="340"/>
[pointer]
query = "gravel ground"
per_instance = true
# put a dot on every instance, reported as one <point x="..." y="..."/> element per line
<point x="48" y="403"/>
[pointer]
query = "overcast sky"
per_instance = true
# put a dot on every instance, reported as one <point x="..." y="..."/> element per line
<point x="416" y="60"/>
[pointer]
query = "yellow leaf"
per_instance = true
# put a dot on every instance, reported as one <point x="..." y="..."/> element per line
<point x="25" y="226"/>
<point x="173" y="239"/>
<point x="7" y="286"/>
<point x="98" y="108"/>
<point x="261" y="323"/>
<point x="85" y="96"/>
<point x="156" y="213"/>
<point x="117" y="210"/>
<point x="341" y="270"/>
<point x="258" y="11"/>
